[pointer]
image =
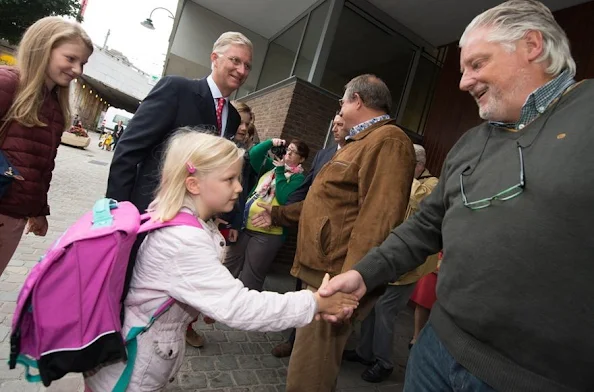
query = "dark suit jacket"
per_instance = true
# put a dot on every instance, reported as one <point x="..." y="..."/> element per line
<point x="174" y="102"/>
<point x="321" y="158"/>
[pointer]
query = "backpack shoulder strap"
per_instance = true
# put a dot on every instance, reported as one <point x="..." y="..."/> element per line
<point x="181" y="219"/>
<point x="132" y="346"/>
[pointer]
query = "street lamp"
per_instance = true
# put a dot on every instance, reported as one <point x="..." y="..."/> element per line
<point x="148" y="22"/>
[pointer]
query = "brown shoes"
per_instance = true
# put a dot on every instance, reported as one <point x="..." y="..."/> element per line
<point x="193" y="339"/>
<point x="282" y="350"/>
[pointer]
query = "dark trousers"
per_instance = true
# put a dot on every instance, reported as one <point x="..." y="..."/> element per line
<point x="377" y="330"/>
<point x="249" y="259"/>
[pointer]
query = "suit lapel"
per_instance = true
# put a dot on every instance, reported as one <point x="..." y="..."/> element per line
<point x="233" y="120"/>
<point x="324" y="157"/>
<point x="205" y="103"/>
<point x="329" y="153"/>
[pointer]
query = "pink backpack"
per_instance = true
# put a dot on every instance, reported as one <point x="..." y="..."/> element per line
<point x="67" y="317"/>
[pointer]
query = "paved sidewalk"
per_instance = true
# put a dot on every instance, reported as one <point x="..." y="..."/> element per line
<point x="231" y="361"/>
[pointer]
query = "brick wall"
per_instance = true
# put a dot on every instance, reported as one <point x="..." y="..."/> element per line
<point x="270" y="109"/>
<point x="291" y="109"/>
<point x="309" y="117"/>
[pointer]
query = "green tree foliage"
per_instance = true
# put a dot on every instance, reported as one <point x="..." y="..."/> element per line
<point x="17" y="15"/>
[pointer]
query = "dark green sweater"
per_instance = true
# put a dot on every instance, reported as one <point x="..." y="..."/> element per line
<point x="515" y="293"/>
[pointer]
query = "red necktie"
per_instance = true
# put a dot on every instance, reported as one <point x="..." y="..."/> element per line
<point x="220" y="105"/>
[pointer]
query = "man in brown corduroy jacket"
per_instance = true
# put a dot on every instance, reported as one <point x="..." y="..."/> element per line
<point x="353" y="203"/>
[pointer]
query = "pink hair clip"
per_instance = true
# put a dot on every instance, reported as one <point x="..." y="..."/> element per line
<point x="191" y="168"/>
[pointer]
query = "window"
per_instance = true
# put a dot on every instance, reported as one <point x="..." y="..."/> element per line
<point x="421" y="93"/>
<point x="121" y="118"/>
<point x="361" y="47"/>
<point x="311" y="40"/>
<point x="281" y="55"/>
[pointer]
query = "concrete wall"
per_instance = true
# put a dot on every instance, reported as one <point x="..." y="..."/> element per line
<point x="117" y="75"/>
<point x="197" y="31"/>
<point x="86" y="106"/>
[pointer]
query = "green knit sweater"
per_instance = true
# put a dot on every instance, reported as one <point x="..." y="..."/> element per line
<point x="284" y="187"/>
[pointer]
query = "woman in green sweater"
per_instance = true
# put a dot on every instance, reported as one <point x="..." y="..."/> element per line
<point x="250" y="257"/>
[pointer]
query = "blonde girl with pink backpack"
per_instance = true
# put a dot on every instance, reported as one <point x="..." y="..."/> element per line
<point x="200" y="177"/>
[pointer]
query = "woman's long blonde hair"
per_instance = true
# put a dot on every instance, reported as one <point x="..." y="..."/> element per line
<point x="206" y="153"/>
<point x="33" y="55"/>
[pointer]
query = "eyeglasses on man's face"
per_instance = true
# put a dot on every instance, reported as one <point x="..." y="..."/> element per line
<point x="343" y="100"/>
<point x="237" y="62"/>
<point x="504" y="195"/>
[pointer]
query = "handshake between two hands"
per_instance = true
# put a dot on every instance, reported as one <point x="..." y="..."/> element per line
<point x="338" y="297"/>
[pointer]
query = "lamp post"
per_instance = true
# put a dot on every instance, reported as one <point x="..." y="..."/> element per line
<point x="148" y="22"/>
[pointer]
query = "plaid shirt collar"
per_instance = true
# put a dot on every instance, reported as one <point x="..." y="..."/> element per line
<point x="364" y="125"/>
<point x="538" y="101"/>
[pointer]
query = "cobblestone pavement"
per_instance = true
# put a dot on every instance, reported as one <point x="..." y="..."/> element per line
<point x="231" y="361"/>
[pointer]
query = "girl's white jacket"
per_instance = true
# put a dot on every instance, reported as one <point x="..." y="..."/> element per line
<point x="186" y="263"/>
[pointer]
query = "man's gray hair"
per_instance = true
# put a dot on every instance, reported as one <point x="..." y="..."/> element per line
<point x="510" y="21"/>
<point x="420" y="154"/>
<point x="372" y="90"/>
<point x="230" y="38"/>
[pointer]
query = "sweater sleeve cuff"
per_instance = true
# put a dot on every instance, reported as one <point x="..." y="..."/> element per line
<point x="45" y="211"/>
<point x="374" y="271"/>
<point x="275" y="215"/>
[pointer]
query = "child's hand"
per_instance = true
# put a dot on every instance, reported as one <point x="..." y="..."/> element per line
<point x="37" y="225"/>
<point x="335" y="304"/>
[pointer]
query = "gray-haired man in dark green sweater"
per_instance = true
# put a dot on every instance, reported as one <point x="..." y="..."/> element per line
<point x="514" y="212"/>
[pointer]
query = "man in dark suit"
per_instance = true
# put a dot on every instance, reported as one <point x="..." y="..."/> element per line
<point x="322" y="157"/>
<point x="177" y="102"/>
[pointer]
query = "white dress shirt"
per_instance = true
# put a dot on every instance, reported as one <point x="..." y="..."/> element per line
<point x="216" y="93"/>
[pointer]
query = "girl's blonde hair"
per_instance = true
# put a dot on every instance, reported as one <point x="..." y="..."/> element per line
<point x="189" y="147"/>
<point x="33" y="55"/>
<point x="243" y="108"/>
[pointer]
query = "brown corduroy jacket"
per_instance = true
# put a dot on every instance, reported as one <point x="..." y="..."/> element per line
<point x="353" y="203"/>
